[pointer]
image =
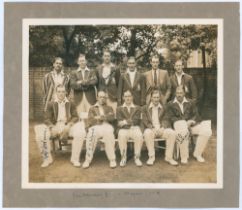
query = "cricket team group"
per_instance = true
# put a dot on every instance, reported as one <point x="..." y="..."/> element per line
<point x="108" y="104"/>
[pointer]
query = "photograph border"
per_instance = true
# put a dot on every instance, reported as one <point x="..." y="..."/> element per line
<point x="123" y="21"/>
<point x="15" y="196"/>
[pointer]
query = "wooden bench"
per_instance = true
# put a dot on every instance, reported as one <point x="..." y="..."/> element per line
<point x="65" y="142"/>
<point x="176" y="153"/>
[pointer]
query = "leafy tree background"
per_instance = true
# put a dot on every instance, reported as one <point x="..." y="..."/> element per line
<point x="168" y="41"/>
<point x="47" y="42"/>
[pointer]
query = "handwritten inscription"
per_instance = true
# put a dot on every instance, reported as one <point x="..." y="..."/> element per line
<point x="44" y="150"/>
<point x="180" y="139"/>
<point x="109" y="195"/>
<point x="91" y="143"/>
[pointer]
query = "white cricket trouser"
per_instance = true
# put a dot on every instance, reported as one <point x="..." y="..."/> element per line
<point x="168" y="134"/>
<point x="183" y="137"/>
<point x="133" y="133"/>
<point x="204" y="133"/>
<point x="103" y="132"/>
<point x="42" y="137"/>
<point x="78" y="133"/>
<point x="113" y="104"/>
<point x="83" y="107"/>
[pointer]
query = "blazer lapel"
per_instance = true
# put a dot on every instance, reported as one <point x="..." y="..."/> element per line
<point x="111" y="75"/>
<point x="127" y="78"/>
<point x="160" y="112"/>
<point x="160" y="79"/>
<point x="132" y="110"/>
<point x="100" y="71"/>
<point x="52" y="78"/>
<point x="175" y="79"/>
<point x="185" y="107"/>
<point x="68" y="110"/>
<point x="149" y="111"/>
<point x="86" y="74"/>
<point x="178" y="108"/>
<point x="150" y="78"/>
<point x="126" y="113"/>
<point x="55" y="109"/>
<point x="136" y="79"/>
<point x="79" y="75"/>
<point x="65" y="80"/>
<point x="183" y="80"/>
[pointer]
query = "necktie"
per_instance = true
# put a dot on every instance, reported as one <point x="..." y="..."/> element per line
<point x="155" y="77"/>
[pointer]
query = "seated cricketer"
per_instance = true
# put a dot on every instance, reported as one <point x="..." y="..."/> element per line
<point x="156" y="125"/>
<point x="100" y="119"/>
<point x="128" y="117"/>
<point x="60" y="121"/>
<point x="186" y="121"/>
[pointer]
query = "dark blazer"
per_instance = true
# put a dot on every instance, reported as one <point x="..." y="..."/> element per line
<point x="51" y="114"/>
<point x="88" y="88"/>
<point x="133" y="118"/>
<point x="49" y="86"/>
<point x="111" y="88"/>
<point x="138" y="90"/>
<point x="147" y="118"/>
<point x="174" y="112"/>
<point x="189" y="84"/>
<point x="94" y="111"/>
<point x="164" y="84"/>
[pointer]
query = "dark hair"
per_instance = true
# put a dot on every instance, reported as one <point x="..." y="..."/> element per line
<point x="57" y="58"/>
<point x="60" y="86"/>
<point x="81" y="55"/>
<point x="155" y="91"/>
<point x="131" y="57"/>
<point x="181" y="87"/>
<point x="179" y="59"/>
<point x="106" y="50"/>
<point x="101" y="91"/>
<point x="127" y="91"/>
<point x="154" y="56"/>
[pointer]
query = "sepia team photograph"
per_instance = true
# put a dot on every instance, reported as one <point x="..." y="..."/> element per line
<point x="122" y="103"/>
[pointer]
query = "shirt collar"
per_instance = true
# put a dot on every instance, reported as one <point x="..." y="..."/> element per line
<point x="111" y="64"/>
<point x="131" y="72"/>
<point x="86" y="69"/>
<point x="176" y="101"/>
<point x="131" y="105"/>
<point x="97" y="104"/>
<point x="152" y="105"/>
<point x="64" y="101"/>
<point x="180" y="75"/>
<point x="55" y="73"/>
